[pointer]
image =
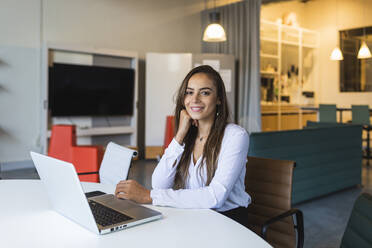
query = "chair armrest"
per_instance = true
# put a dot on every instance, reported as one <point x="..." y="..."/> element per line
<point x="299" y="224"/>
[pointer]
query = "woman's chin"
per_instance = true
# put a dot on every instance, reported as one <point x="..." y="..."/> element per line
<point x="196" y="117"/>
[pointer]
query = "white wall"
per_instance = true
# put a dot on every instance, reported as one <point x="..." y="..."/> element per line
<point x="19" y="78"/>
<point x="320" y="15"/>
<point x="131" y="25"/>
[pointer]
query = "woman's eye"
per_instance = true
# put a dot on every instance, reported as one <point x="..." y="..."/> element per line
<point x="205" y="93"/>
<point x="188" y="92"/>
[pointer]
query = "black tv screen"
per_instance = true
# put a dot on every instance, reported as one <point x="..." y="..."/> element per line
<point x="80" y="90"/>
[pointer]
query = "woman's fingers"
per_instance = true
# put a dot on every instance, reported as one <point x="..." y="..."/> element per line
<point x="130" y="189"/>
<point x="122" y="195"/>
<point x="122" y="186"/>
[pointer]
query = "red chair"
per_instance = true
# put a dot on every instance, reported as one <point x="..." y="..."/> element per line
<point x="86" y="159"/>
<point x="169" y="131"/>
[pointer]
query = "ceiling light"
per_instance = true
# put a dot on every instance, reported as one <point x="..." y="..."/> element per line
<point x="214" y="31"/>
<point x="336" y="54"/>
<point x="364" y="52"/>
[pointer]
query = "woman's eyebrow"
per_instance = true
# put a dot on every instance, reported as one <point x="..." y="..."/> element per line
<point x="204" y="88"/>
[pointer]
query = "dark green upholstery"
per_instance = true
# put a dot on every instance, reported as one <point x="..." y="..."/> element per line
<point x="328" y="159"/>
<point x="327" y="113"/>
<point x="316" y="124"/>
<point x="360" y="114"/>
<point x="358" y="231"/>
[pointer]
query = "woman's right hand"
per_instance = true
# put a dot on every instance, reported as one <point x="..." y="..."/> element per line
<point x="184" y="125"/>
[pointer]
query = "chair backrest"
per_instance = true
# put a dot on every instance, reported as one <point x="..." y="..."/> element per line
<point x="115" y="164"/>
<point x="360" y="114"/>
<point x="327" y="113"/>
<point x="358" y="232"/>
<point x="269" y="183"/>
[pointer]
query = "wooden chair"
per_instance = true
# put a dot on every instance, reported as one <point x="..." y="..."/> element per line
<point x="269" y="183"/>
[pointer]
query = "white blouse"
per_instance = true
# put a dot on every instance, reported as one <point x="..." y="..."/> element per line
<point x="226" y="190"/>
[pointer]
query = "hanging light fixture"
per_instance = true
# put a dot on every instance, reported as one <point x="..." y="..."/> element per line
<point x="336" y="52"/>
<point x="364" y="52"/>
<point x="214" y="31"/>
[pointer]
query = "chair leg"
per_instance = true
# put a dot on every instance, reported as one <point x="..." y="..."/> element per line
<point x="368" y="148"/>
<point x="300" y="229"/>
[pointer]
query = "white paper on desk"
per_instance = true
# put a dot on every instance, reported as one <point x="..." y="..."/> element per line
<point x="115" y="164"/>
<point x="212" y="62"/>
<point x="226" y="77"/>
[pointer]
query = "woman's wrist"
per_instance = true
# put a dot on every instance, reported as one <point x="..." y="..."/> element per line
<point x="179" y="138"/>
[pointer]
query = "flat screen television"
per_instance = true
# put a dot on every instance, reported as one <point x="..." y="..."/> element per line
<point x="81" y="90"/>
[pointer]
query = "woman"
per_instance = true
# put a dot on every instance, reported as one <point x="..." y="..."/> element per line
<point x="204" y="165"/>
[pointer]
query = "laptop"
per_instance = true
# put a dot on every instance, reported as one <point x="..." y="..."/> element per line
<point x="100" y="214"/>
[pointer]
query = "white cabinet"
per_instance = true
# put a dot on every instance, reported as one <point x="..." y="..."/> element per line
<point x="91" y="130"/>
<point x="289" y="67"/>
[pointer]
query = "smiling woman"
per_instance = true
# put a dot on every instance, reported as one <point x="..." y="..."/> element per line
<point x="204" y="165"/>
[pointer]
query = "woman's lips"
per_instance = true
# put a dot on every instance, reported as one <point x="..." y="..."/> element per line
<point x="196" y="109"/>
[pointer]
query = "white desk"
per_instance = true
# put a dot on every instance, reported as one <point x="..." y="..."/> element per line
<point x="27" y="220"/>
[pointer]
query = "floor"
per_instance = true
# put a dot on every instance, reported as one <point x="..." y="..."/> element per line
<point x="325" y="218"/>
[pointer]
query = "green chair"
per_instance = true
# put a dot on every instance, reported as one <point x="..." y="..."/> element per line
<point x="358" y="231"/>
<point x="360" y="115"/>
<point x="327" y="113"/>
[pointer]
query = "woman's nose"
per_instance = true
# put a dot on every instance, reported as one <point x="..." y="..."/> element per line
<point x="195" y="97"/>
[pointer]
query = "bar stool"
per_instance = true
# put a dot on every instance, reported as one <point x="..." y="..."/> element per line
<point x="360" y="115"/>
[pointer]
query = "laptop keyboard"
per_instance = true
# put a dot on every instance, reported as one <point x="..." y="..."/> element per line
<point x="106" y="216"/>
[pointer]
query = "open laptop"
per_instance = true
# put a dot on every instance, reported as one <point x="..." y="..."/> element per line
<point x="100" y="214"/>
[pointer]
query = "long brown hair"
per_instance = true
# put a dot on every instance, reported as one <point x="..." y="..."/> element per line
<point x="212" y="146"/>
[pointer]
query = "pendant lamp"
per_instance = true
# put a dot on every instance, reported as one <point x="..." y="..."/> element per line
<point x="336" y="52"/>
<point x="364" y="52"/>
<point x="214" y="31"/>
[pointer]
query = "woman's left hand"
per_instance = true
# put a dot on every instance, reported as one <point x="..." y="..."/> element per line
<point x="132" y="190"/>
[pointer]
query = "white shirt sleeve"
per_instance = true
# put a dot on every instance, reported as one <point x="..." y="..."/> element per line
<point x="163" y="175"/>
<point x="231" y="162"/>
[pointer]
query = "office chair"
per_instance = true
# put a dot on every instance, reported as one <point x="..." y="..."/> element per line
<point x="327" y="113"/>
<point x="269" y="183"/>
<point x="360" y="115"/>
<point x="358" y="232"/>
<point x="86" y="159"/>
<point x="115" y="164"/>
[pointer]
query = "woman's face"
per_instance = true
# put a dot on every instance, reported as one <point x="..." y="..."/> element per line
<point x="201" y="98"/>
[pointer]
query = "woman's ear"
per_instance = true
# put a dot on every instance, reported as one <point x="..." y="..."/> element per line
<point x="218" y="102"/>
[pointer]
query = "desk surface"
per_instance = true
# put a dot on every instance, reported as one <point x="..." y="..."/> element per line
<point x="27" y="220"/>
